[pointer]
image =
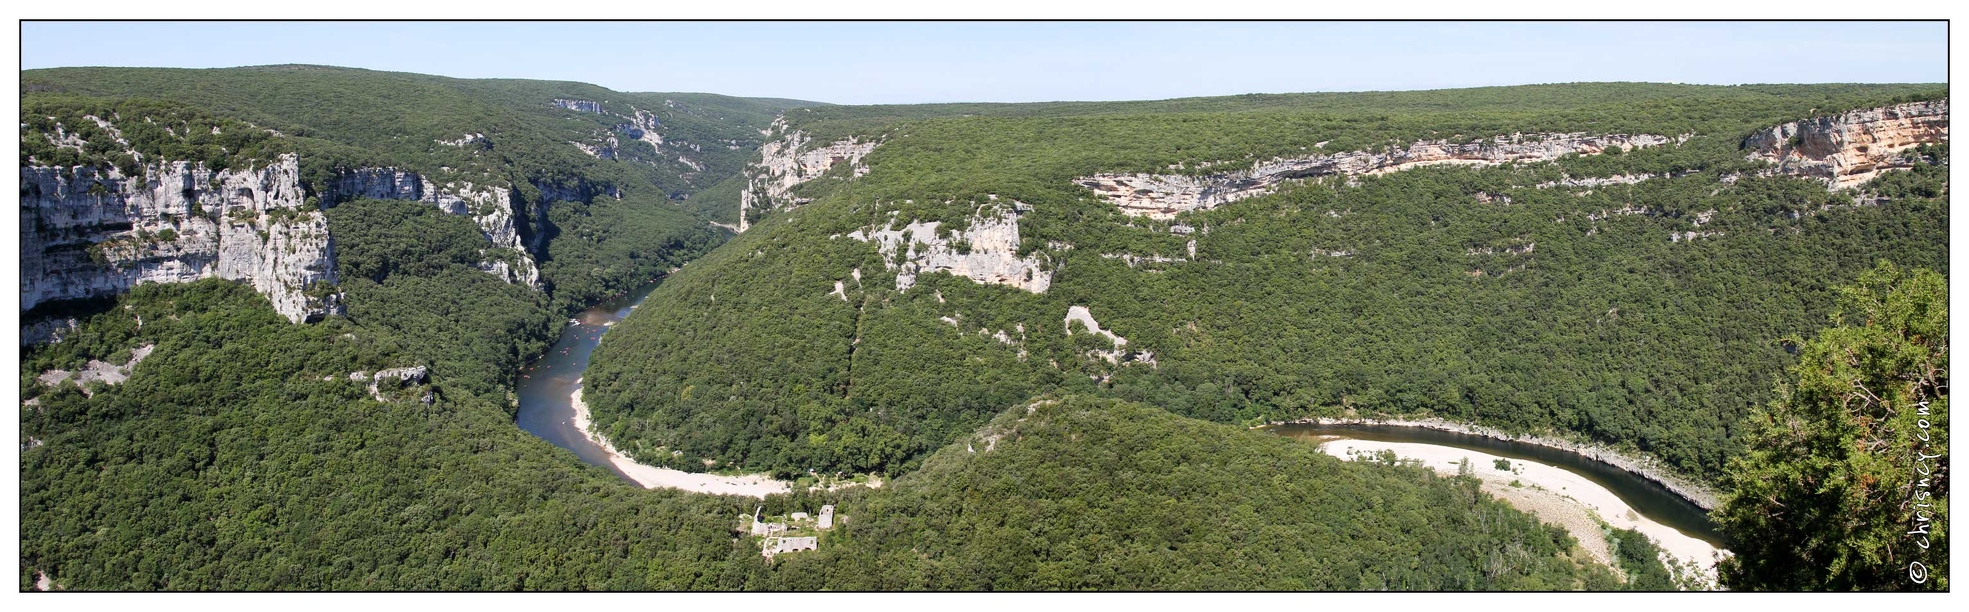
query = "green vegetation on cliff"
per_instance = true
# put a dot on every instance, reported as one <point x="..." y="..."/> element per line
<point x="1647" y="315"/>
<point x="385" y="118"/>
<point x="610" y="224"/>
<point x="242" y="454"/>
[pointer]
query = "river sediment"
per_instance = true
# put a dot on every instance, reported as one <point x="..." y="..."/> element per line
<point x="1552" y="493"/>
<point x="1647" y="468"/>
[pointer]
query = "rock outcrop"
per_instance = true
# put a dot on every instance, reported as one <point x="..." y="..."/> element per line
<point x="48" y="331"/>
<point x="1163" y="196"/>
<point x="584" y="106"/>
<point x="992" y="257"/>
<point x="1120" y="353"/>
<point x="473" y="140"/>
<point x="89" y="232"/>
<point x="1851" y="148"/>
<point x="97" y="371"/>
<point x="604" y="147"/>
<point x="389" y="385"/>
<point x="783" y="165"/>
<point x="642" y="126"/>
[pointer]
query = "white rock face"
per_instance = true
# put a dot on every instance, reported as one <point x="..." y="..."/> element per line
<point x="1119" y="353"/>
<point x="1593" y="181"/>
<point x="396" y="379"/>
<point x="1086" y="319"/>
<point x="992" y="257"/>
<point x="95" y="233"/>
<point x="1163" y="196"/>
<point x="1134" y="260"/>
<point x="783" y="166"/>
<point x="97" y="371"/>
<point x="642" y="127"/>
<point x="1851" y="148"/>
<point x="490" y="207"/>
<point x="468" y="140"/>
<point x="585" y="106"/>
<point x="603" y="148"/>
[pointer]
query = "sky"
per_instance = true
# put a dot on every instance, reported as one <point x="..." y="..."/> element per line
<point x="919" y="62"/>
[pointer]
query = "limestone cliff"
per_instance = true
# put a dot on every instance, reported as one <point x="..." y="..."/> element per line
<point x="783" y="165"/>
<point x="584" y="106"/>
<point x="642" y="126"/>
<point x="1163" y="196"/>
<point x="992" y="257"/>
<point x="89" y="232"/>
<point x="1851" y="148"/>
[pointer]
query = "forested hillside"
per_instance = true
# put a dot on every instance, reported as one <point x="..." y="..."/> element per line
<point x="1638" y="295"/>
<point x="370" y="450"/>
<point x="248" y="453"/>
<point x="1080" y="493"/>
<point x="1057" y="385"/>
<point x="241" y="455"/>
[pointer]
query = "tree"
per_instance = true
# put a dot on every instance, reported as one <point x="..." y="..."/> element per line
<point x="1845" y="482"/>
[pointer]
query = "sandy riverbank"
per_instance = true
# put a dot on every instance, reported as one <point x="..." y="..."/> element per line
<point x="1553" y="494"/>
<point x="1646" y="467"/>
<point x="650" y="477"/>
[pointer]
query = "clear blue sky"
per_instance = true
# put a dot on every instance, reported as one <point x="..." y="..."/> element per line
<point x="863" y="63"/>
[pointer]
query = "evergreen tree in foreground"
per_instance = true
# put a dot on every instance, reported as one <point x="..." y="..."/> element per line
<point x="1845" y="482"/>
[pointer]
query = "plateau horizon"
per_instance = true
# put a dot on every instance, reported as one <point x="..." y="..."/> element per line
<point x="1012" y="62"/>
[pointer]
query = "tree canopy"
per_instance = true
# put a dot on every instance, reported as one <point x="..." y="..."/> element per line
<point x="1843" y="484"/>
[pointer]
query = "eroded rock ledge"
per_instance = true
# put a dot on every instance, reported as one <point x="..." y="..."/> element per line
<point x="89" y="232"/>
<point x="782" y="166"/>
<point x="1853" y="147"/>
<point x="1163" y="196"/>
<point x="992" y="258"/>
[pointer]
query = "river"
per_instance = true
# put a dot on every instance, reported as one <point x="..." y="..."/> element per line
<point x="547" y="384"/>
<point x="551" y="408"/>
<point x="548" y="409"/>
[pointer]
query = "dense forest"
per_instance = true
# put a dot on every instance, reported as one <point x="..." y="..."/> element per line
<point x="240" y="455"/>
<point x="247" y="453"/>
<point x="1080" y="493"/>
<point x="1845" y="480"/>
<point x="1649" y="315"/>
